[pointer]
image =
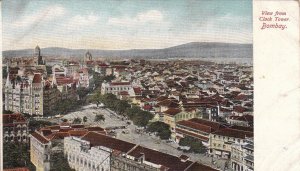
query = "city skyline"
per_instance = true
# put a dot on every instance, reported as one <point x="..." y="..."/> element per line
<point x="114" y="25"/>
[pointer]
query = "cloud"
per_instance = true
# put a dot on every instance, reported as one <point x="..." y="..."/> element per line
<point x="43" y="15"/>
<point x="152" y="16"/>
<point x="80" y="20"/>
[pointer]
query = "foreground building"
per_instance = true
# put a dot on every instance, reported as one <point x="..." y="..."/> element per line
<point x="96" y="151"/>
<point x="242" y="157"/>
<point x="15" y="128"/>
<point x="49" y="140"/>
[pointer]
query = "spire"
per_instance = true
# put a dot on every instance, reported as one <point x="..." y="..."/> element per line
<point x="7" y="78"/>
<point x="54" y="82"/>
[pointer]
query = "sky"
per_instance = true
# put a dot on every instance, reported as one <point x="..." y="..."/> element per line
<point x="121" y="24"/>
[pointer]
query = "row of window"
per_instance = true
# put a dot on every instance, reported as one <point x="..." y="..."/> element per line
<point x="84" y="163"/>
<point x="118" y="88"/>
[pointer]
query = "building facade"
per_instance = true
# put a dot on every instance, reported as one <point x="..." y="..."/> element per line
<point x="15" y="128"/>
<point x="115" y="87"/>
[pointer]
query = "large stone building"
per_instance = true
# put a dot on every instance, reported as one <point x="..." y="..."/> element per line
<point x="98" y="152"/>
<point x="15" y="128"/>
<point x="24" y="95"/>
<point x="242" y="156"/>
<point x="221" y="140"/>
<point x="47" y="141"/>
<point x="115" y="87"/>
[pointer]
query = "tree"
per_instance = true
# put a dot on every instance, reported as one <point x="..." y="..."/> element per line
<point x="36" y="124"/>
<point x="162" y="129"/>
<point x="16" y="155"/>
<point x="59" y="162"/>
<point x="97" y="98"/>
<point x="4" y="72"/>
<point x="120" y="106"/>
<point x="84" y="119"/>
<point x="195" y="145"/>
<point x="138" y="116"/>
<point x="82" y="92"/>
<point x="109" y="100"/>
<point x="99" y="118"/>
<point x="77" y="120"/>
<point x="49" y="69"/>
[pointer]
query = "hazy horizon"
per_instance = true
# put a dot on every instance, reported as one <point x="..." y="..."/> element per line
<point x="119" y="49"/>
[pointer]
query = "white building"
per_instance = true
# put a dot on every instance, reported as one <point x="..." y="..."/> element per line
<point x="115" y="87"/>
<point x="40" y="149"/>
<point x="82" y="157"/>
<point x="242" y="156"/>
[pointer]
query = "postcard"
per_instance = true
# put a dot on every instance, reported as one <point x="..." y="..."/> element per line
<point x="133" y="85"/>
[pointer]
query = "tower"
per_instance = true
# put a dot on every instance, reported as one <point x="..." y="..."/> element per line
<point x="37" y="52"/>
<point x="88" y="56"/>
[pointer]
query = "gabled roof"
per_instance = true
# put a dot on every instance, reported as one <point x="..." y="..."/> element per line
<point x="97" y="139"/>
<point x="200" y="167"/>
<point x="168" y="161"/>
<point x="40" y="138"/>
<point x="37" y="78"/>
<point x="229" y="132"/>
<point x="172" y="111"/>
<point x="11" y="118"/>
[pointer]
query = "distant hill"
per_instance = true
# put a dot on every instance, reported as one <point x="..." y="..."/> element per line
<point x="189" y="50"/>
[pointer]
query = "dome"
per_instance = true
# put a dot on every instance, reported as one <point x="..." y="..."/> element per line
<point x="37" y="50"/>
<point x="88" y="56"/>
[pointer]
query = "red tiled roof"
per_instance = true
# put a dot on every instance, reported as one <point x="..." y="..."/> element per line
<point x="172" y="111"/>
<point x="124" y="93"/>
<point x="181" y="131"/>
<point x="246" y="118"/>
<point x="95" y="129"/>
<point x="119" y="83"/>
<point x="172" y="162"/>
<point x="11" y="118"/>
<point x="147" y="107"/>
<point x="37" y="78"/>
<point x="233" y="133"/>
<point x="242" y="128"/>
<point x="17" y="169"/>
<point x="137" y="90"/>
<point x="213" y="125"/>
<point x="200" y="167"/>
<point x="40" y="138"/>
<point x="239" y="109"/>
<point x="196" y="126"/>
<point x="169" y="103"/>
<point x="97" y="139"/>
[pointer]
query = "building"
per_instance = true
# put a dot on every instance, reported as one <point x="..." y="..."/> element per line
<point x="242" y="156"/>
<point x="244" y="120"/>
<point x="197" y="128"/>
<point x="173" y="115"/>
<point x="222" y="139"/>
<point x="95" y="151"/>
<point x="15" y="128"/>
<point x="47" y="141"/>
<point x="24" y="95"/>
<point x="115" y="87"/>
<point x="37" y="53"/>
